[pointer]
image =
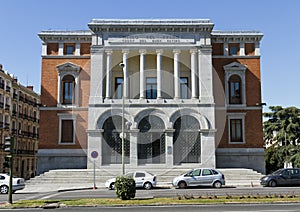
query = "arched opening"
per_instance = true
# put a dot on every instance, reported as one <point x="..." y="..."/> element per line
<point x="68" y="88"/>
<point x="112" y="145"/>
<point x="235" y="90"/>
<point x="151" y="141"/>
<point x="186" y="140"/>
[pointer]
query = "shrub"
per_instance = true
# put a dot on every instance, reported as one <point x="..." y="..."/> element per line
<point x="125" y="187"/>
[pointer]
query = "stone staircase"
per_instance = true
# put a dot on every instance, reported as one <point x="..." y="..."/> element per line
<point x="65" y="179"/>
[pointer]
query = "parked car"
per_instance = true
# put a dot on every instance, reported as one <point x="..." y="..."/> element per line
<point x="18" y="184"/>
<point x="200" y="177"/>
<point x="142" y="179"/>
<point x="282" y="177"/>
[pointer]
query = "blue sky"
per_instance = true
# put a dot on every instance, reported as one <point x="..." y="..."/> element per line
<point x="21" y="21"/>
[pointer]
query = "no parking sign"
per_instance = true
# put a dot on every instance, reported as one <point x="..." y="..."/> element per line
<point x="94" y="154"/>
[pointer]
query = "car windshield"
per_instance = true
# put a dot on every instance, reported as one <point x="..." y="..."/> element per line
<point x="130" y="174"/>
<point x="277" y="172"/>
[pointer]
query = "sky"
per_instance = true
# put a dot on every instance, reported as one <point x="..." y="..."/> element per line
<point x="279" y="21"/>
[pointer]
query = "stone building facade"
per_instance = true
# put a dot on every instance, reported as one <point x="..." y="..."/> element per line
<point x="186" y="95"/>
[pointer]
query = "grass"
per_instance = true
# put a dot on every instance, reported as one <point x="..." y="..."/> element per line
<point x="155" y="201"/>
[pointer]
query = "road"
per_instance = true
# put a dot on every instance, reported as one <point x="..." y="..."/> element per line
<point x="159" y="192"/>
<point x="190" y="208"/>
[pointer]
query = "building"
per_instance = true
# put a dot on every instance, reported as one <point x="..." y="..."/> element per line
<point x="19" y="118"/>
<point x="192" y="96"/>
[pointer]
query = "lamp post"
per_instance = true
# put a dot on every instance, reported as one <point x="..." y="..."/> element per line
<point x="122" y="65"/>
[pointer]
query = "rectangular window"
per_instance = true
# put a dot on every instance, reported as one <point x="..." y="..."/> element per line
<point x="236" y="130"/>
<point x="118" y="88"/>
<point x="69" y="50"/>
<point x="151" y="88"/>
<point x="184" y="87"/>
<point x="68" y="92"/>
<point x="67" y="131"/>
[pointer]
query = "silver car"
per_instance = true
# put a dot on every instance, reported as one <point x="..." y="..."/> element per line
<point x="200" y="177"/>
<point x="142" y="179"/>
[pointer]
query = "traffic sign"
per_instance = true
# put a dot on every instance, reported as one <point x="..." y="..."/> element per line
<point x="94" y="154"/>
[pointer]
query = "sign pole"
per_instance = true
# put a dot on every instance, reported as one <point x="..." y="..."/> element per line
<point x="11" y="162"/>
<point x="94" y="175"/>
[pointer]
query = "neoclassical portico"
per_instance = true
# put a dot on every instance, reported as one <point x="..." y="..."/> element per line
<point x="167" y="71"/>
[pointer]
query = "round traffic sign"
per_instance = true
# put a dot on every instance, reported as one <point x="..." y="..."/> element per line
<point x="94" y="154"/>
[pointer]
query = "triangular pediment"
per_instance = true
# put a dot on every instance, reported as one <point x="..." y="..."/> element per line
<point x="235" y="66"/>
<point x="68" y="66"/>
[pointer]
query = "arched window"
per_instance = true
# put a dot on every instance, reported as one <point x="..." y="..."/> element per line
<point x="68" y="85"/>
<point x="235" y="91"/>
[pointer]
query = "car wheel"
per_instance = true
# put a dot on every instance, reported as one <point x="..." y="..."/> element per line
<point x="4" y="189"/>
<point x="112" y="186"/>
<point x="182" y="184"/>
<point x="217" y="184"/>
<point x="147" y="185"/>
<point x="272" y="183"/>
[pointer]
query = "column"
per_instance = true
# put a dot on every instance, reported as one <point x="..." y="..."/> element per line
<point x="59" y="95"/>
<point x="95" y="140"/>
<point x="226" y="50"/>
<point x="44" y="49"/>
<point x="142" y="73"/>
<point x="193" y="72"/>
<point x="60" y="49"/>
<point x="169" y="147"/>
<point x="125" y="73"/>
<point x="257" y="49"/>
<point x="242" y="49"/>
<point x="133" y="147"/>
<point x="159" y="73"/>
<point x="77" y="49"/>
<point x="97" y="75"/>
<point x="205" y="75"/>
<point x="108" y="74"/>
<point x="176" y="74"/>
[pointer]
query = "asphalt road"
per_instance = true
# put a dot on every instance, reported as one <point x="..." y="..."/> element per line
<point x="160" y="192"/>
<point x="190" y="208"/>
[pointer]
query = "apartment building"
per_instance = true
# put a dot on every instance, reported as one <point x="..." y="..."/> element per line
<point x="19" y="118"/>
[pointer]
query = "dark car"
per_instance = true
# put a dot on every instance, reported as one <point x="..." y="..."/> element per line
<point x="282" y="177"/>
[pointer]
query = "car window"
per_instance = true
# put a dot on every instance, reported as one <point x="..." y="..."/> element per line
<point x="295" y="171"/>
<point x="139" y="174"/>
<point x="2" y="177"/>
<point x="286" y="172"/>
<point x="206" y="172"/>
<point x="196" y="172"/>
<point x="215" y="172"/>
<point x="129" y="174"/>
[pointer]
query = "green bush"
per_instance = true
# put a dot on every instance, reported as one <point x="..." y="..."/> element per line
<point x="125" y="187"/>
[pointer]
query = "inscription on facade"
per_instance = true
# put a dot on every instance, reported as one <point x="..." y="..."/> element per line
<point x="150" y="39"/>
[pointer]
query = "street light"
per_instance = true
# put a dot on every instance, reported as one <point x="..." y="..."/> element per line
<point x="122" y="65"/>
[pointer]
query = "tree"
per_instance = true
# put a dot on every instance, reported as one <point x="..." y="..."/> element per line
<point x="283" y="128"/>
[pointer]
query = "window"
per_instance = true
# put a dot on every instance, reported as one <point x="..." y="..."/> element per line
<point x="235" y="84"/>
<point x="69" y="49"/>
<point x="119" y="88"/>
<point x="68" y="89"/>
<point x="151" y="88"/>
<point x="184" y="87"/>
<point x="233" y="50"/>
<point x="67" y="131"/>
<point x="235" y="92"/>
<point x="139" y="174"/>
<point x="206" y="172"/>
<point x="67" y="123"/>
<point x="196" y="172"/>
<point x="236" y="130"/>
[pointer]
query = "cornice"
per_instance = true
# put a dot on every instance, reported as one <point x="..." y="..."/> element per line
<point x="236" y="36"/>
<point x="151" y="25"/>
<point x="69" y="36"/>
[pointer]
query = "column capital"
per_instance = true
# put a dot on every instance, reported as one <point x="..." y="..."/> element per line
<point x="159" y="51"/>
<point x="176" y="51"/>
<point x="142" y="51"/>
<point x="108" y="51"/>
<point x="125" y="51"/>
<point x="193" y="51"/>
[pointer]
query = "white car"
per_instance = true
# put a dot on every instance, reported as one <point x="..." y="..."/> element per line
<point x="142" y="179"/>
<point x="200" y="177"/>
<point x="18" y="183"/>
